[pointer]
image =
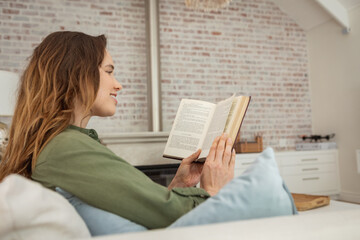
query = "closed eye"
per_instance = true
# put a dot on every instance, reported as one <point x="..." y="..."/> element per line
<point x="109" y="68"/>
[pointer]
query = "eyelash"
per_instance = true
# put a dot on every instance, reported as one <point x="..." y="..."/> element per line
<point x="109" y="72"/>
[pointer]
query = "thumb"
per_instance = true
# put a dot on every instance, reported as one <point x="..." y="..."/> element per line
<point x="192" y="157"/>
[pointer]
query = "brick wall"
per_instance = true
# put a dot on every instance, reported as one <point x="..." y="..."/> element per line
<point x="251" y="48"/>
<point x="24" y="23"/>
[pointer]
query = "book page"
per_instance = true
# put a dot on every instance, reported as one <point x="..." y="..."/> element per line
<point x="217" y="124"/>
<point x="236" y="116"/>
<point x="189" y="128"/>
<point x="232" y="113"/>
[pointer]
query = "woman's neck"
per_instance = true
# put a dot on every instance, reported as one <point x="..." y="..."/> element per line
<point x="80" y="119"/>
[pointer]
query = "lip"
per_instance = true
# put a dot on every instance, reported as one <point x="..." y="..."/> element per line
<point x="113" y="96"/>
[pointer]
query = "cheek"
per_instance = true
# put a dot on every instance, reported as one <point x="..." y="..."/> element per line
<point x="99" y="98"/>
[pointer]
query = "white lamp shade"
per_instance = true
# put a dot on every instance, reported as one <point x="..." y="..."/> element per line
<point x="8" y="91"/>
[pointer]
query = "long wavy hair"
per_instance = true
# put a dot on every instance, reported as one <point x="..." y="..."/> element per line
<point x="63" y="68"/>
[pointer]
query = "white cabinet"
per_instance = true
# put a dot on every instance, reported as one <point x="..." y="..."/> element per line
<point x="311" y="172"/>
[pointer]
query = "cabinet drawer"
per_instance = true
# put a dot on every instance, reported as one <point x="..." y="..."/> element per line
<point x="245" y="160"/>
<point x="308" y="169"/>
<point x="244" y="163"/>
<point x="312" y="183"/>
<point x="239" y="171"/>
<point x="306" y="159"/>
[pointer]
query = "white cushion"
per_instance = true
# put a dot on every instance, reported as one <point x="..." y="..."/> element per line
<point x="258" y="193"/>
<point x="30" y="211"/>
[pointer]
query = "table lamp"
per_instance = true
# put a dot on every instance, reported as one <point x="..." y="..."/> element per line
<point x="8" y="87"/>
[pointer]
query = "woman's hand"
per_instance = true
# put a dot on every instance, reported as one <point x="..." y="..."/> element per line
<point x="188" y="173"/>
<point x="219" y="166"/>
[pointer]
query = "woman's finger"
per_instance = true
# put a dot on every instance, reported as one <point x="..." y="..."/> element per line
<point x="227" y="154"/>
<point x="211" y="155"/>
<point x="220" y="148"/>
<point x="192" y="157"/>
<point x="232" y="161"/>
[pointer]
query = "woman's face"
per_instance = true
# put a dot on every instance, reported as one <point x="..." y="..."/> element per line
<point x="105" y="102"/>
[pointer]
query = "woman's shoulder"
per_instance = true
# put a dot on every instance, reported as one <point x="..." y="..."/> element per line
<point x="72" y="138"/>
<point x="68" y="141"/>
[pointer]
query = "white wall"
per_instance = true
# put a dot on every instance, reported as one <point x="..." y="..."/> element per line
<point x="249" y="47"/>
<point x="334" y="65"/>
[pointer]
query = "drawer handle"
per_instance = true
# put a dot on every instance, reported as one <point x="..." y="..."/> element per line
<point x="310" y="178"/>
<point x="246" y="163"/>
<point x="309" y="169"/>
<point x="309" y="159"/>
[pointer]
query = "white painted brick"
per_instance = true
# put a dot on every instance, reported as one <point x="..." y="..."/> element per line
<point x="250" y="47"/>
<point x="247" y="47"/>
<point x="34" y="21"/>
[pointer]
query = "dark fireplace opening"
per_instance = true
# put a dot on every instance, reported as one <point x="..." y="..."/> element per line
<point x="162" y="174"/>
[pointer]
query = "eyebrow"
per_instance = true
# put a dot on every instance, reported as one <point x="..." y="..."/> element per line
<point x="111" y="66"/>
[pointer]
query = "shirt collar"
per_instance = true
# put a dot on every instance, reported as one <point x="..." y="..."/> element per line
<point x="90" y="132"/>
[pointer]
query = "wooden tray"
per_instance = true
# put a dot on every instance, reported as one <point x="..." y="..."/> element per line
<point x="305" y="202"/>
<point x="249" y="147"/>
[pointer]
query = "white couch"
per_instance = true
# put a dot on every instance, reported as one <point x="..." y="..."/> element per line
<point x="337" y="221"/>
<point x="29" y="211"/>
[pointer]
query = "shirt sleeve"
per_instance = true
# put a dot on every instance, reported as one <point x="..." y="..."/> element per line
<point x="98" y="177"/>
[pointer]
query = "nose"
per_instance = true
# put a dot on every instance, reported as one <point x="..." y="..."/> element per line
<point x="118" y="86"/>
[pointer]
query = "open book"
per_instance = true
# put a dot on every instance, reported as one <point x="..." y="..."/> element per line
<point x="198" y="123"/>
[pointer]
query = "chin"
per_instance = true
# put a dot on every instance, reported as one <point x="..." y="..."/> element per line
<point x="106" y="114"/>
<point x="110" y="114"/>
<point x="104" y="110"/>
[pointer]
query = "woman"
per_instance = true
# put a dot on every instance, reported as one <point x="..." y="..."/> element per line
<point x="69" y="79"/>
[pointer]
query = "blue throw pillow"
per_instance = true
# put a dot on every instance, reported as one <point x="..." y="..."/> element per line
<point x="98" y="221"/>
<point x="259" y="192"/>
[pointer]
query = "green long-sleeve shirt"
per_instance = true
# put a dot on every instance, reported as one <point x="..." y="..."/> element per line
<point x="75" y="161"/>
